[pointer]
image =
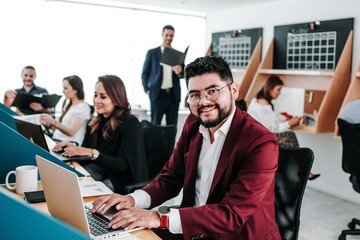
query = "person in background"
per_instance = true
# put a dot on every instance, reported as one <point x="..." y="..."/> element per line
<point x="351" y="112"/>
<point x="71" y="125"/>
<point x="114" y="139"/>
<point x="262" y="109"/>
<point x="162" y="82"/>
<point x="225" y="162"/>
<point x="28" y="74"/>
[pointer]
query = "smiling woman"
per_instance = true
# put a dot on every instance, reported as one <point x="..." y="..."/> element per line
<point x="114" y="140"/>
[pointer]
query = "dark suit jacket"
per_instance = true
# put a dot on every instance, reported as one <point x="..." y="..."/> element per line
<point x="122" y="160"/>
<point x="152" y="75"/>
<point x="241" y="198"/>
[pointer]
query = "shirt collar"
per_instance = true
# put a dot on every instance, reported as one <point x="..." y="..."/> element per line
<point x="224" y="128"/>
<point x="33" y="87"/>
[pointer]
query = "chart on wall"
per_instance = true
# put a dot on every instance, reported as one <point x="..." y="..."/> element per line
<point x="235" y="46"/>
<point x="313" y="45"/>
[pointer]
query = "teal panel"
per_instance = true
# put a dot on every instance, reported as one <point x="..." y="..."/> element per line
<point x="20" y="220"/>
<point x="17" y="150"/>
<point x="8" y="110"/>
<point x="7" y="119"/>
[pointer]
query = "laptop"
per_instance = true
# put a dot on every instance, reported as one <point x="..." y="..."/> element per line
<point x="35" y="134"/>
<point x="64" y="201"/>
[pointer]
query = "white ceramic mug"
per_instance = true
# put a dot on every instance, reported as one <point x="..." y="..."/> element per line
<point x="26" y="179"/>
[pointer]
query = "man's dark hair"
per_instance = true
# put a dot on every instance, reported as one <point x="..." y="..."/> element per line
<point x="29" y="67"/>
<point x="209" y="64"/>
<point x="168" y="27"/>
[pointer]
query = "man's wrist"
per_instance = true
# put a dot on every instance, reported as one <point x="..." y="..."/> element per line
<point x="163" y="212"/>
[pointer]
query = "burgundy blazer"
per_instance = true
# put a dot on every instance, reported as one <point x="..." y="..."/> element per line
<point x="240" y="204"/>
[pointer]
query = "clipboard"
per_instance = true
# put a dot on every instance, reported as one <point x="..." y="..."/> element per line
<point x="173" y="57"/>
<point x="47" y="101"/>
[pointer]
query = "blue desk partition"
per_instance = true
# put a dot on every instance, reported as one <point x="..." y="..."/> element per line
<point x="20" y="220"/>
<point x="17" y="150"/>
<point x="7" y="119"/>
<point x="8" y="110"/>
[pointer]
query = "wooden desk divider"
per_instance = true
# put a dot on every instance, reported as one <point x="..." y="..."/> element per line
<point x="244" y="77"/>
<point x="334" y="83"/>
<point x="17" y="150"/>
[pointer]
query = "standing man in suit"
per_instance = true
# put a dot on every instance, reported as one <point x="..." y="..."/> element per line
<point x="28" y="75"/>
<point x="225" y="161"/>
<point x="161" y="82"/>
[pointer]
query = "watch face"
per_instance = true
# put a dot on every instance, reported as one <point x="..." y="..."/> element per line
<point x="164" y="210"/>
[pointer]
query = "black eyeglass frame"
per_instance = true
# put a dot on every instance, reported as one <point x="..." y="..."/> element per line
<point x="206" y="96"/>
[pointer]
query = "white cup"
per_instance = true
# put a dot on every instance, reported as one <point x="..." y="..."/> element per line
<point x="26" y="179"/>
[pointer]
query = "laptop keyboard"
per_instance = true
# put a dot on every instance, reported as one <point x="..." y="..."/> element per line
<point x="98" y="224"/>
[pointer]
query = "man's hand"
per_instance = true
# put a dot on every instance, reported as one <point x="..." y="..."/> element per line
<point x="121" y="202"/>
<point x="177" y="69"/>
<point x="10" y="95"/>
<point x="36" y="106"/>
<point x="134" y="217"/>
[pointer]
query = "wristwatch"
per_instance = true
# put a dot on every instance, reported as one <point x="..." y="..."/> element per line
<point x="164" y="216"/>
<point x="95" y="154"/>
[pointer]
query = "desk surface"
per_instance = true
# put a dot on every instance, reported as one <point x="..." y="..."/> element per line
<point x="141" y="234"/>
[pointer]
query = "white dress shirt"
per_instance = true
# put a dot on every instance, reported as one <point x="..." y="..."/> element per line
<point x="167" y="74"/>
<point x="264" y="114"/>
<point x="208" y="159"/>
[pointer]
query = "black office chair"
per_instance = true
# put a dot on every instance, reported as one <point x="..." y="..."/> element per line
<point x="290" y="181"/>
<point x="241" y="104"/>
<point x="350" y="137"/>
<point x="159" y="144"/>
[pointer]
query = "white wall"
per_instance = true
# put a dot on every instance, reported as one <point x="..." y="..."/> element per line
<point x="61" y="39"/>
<point x="327" y="150"/>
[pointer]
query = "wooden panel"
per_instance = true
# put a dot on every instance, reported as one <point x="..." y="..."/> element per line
<point x="259" y="79"/>
<point x="313" y="100"/>
<point x="250" y="71"/>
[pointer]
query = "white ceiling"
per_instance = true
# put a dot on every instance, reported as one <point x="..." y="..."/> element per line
<point x="205" y="6"/>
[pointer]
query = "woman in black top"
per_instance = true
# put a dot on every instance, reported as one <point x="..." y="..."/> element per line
<point x="114" y="140"/>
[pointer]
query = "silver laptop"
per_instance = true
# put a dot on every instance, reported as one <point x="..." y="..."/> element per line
<point x="34" y="133"/>
<point x="64" y="201"/>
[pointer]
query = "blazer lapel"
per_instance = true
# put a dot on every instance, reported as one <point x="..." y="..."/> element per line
<point x="159" y="56"/>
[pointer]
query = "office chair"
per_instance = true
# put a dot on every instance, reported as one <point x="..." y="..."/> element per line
<point x="294" y="166"/>
<point x="241" y="104"/>
<point x="350" y="137"/>
<point x="159" y="144"/>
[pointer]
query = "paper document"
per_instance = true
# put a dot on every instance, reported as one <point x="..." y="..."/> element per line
<point x="94" y="188"/>
<point x="173" y="57"/>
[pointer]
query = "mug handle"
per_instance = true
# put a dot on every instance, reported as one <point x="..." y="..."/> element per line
<point x="7" y="180"/>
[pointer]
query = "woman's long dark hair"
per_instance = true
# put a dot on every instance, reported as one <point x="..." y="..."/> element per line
<point x="269" y="85"/>
<point x="77" y="84"/>
<point x="115" y="89"/>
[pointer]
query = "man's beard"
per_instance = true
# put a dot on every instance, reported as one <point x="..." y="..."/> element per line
<point x="223" y="114"/>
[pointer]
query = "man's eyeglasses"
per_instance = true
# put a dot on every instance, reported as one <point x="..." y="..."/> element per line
<point x="211" y="94"/>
